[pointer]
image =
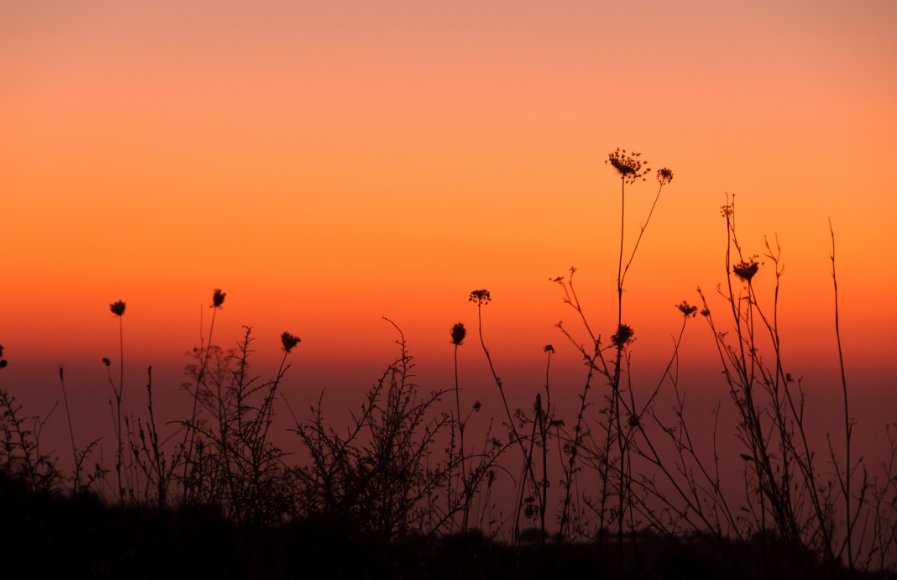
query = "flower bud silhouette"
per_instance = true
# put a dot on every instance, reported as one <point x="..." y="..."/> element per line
<point x="218" y="298"/>
<point x="458" y="334"/>
<point x="118" y="308"/>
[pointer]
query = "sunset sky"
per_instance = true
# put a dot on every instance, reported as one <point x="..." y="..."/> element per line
<point x="329" y="163"/>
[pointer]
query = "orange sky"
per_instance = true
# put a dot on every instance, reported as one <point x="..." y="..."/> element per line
<point x="330" y="163"/>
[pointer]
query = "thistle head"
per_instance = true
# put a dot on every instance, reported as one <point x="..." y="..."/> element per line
<point x="623" y="336"/>
<point x="628" y="165"/>
<point x="289" y="341"/>
<point x="458" y="334"/>
<point x="117" y="308"/>
<point x="218" y="298"/>
<point x="664" y="176"/>
<point x="480" y="297"/>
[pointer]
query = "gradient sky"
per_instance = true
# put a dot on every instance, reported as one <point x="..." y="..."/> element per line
<point x="329" y="163"/>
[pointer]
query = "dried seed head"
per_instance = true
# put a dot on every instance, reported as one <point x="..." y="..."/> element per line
<point x="458" y="334"/>
<point x="106" y="361"/>
<point x="628" y="166"/>
<point x="746" y="269"/>
<point x="685" y="308"/>
<point x="548" y="348"/>
<point x="623" y="336"/>
<point x="705" y="312"/>
<point x="480" y="297"/>
<point x="289" y="341"/>
<point x="218" y="298"/>
<point x="117" y="308"/>
<point x="664" y="176"/>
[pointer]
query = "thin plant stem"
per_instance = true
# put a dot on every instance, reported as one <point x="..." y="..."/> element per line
<point x="68" y="416"/>
<point x="847" y="426"/>
<point x="461" y="434"/>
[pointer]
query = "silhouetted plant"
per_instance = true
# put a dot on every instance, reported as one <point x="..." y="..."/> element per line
<point x="118" y="309"/>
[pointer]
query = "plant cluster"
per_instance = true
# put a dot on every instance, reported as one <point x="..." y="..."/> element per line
<point x="403" y="487"/>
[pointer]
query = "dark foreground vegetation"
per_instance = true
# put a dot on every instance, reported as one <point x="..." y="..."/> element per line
<point x="621" y="489"/>
<point x="82" y="536"/>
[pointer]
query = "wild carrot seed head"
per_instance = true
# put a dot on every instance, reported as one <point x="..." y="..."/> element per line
<point x="685" y="308"/>
<point x="746" y="269"/>
<point x="628" y="165"/>
<point x="480" y="297"/>
<point x="289" y="341"/>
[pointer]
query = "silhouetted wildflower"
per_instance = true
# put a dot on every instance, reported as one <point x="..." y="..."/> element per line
<point x="3" y="364"/>
<point x="477" y="406"/>
<point x="117" y="308"/>
<point x="633" y="421"/>
<point x="458" y="334"/>
<point x="218" y="298"/>
<point x="623" y="336"/>
<point x="106" y="361"/>
<point x="480" y="297"/>
<point x="746" y="270"/>
<point x="705" y="312"/>
<point x="548" y="348"/>
<point x="664" y="176"/>
<point x="686" y="308"/>
<point x="628" y="166"/>
<point x="289" y="341"/>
